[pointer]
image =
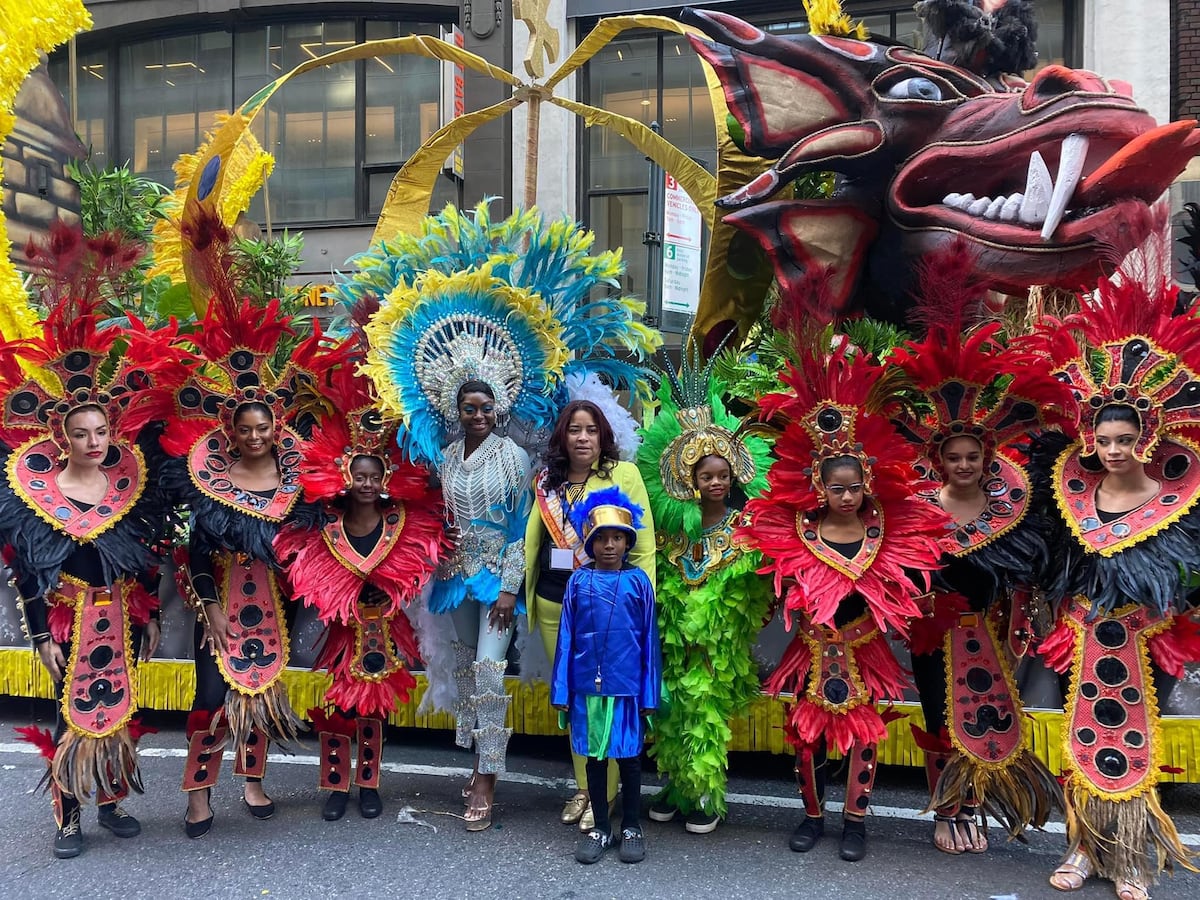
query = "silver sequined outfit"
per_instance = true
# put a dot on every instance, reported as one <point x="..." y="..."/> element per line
<point x="487" y="486"/>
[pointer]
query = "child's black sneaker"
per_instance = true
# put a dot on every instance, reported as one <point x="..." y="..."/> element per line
<point x="633" y="845"/>
<point x="592" y="846"/>
<point x="661" y="810"/>
<point x="702" y="822"/>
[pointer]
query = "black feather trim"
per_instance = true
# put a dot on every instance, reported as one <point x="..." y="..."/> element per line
<point x="960" y="33"/>
<point x="1151" y="572"/>
<point x="128" y="549"/>
<point x="217" y="526"/>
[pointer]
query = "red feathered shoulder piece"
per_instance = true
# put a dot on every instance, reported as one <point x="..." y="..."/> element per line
<point x="835" y="408"/>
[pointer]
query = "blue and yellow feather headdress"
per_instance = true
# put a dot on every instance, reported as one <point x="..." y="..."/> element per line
<point x="546" y="263"/>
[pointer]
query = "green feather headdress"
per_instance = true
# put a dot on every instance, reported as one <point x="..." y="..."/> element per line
<point x="692" y="423"/>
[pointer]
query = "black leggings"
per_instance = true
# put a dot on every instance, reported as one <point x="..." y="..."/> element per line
<point x="631" y="791"/>
<point x="210" y="683"/>
<point x="929" y="674"/>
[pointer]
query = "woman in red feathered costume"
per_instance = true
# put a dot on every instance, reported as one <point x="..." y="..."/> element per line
<point x="358" y="555"/>
<point x="842" y="529"/>
<point x="1127" y="499"/>
<point x="982" y="401"/>
<point x="82" y="519"/>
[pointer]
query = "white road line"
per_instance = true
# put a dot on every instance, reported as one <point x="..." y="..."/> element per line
<point x="763" y="800"/>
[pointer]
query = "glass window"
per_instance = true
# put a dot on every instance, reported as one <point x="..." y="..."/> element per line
<point x="619" y="220"/>
<point x="1052" y="34"/>
<point x="445" y="190"/>
<point x="309" y="126"/>
<point x="93" y="78"/>
<point x="687" y="117"/>
<point x="403" y="94"/>
<point x="623" y="78"/>
<point x="171" y="91"/>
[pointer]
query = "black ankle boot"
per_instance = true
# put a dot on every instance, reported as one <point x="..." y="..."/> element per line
<point x="854" y="840"/>
<point x="335" y="806"/>
<point x="805" y="837"/>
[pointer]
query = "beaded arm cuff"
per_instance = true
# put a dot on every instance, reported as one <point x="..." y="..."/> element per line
<point x="512" y="566"/>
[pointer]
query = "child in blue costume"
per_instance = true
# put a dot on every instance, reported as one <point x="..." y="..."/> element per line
<point x="607" y="668"/>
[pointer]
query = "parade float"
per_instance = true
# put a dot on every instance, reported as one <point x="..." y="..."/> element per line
<point x="1044" y="180"/>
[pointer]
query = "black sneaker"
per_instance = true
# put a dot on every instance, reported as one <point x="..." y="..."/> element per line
<point x="335" y="806"/>
<point x="119" y="822"/>
<point x="633" y="845"/>
<point x="68" y="840"/>
<point x="702" y="822"/>
<point x="369" y="803"/>
<point x="662" y="811"/>
<point x="592" y="846"/>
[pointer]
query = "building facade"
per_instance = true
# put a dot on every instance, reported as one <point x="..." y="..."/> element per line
<point x="153" y="75"/>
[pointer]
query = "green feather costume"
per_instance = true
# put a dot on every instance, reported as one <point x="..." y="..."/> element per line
<point x="711" y="603"/>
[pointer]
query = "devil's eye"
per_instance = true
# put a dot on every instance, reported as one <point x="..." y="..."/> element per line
<point x="914" y="89"/>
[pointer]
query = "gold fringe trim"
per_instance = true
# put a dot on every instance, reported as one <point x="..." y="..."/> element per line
<point x="1119" y="836"/>
<point x="1018" y="795"/>
<point x="83" y="764"/>
<point x="170" y="684"/>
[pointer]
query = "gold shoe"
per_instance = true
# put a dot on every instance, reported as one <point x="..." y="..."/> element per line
<point x="573" y="810"/>
<point x="588" y="820"/>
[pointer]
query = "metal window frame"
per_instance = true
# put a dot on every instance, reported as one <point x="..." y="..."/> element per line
<point x="116" y="153"/>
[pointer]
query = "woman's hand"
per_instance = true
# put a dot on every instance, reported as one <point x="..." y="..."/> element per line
<point x="217" y="626"/>
<point x="150" y="638"/>
<point x="504" y="611"/>
<point x="52" y="658"/>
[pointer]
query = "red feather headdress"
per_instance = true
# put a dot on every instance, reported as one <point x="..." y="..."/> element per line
<point x="835" y="408"/>
<point x="70" y="365"/>
<point x="1127" y="346"/>
<point x="354" y="428"/>
<point x="976" y="386"/>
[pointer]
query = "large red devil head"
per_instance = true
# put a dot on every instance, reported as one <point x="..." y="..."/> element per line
<point x="1042" y="182"/>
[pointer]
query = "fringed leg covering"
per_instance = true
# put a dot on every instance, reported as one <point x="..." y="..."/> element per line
<point x="111" y="797"/>
<point x="61" y="804"/>
<point x="491" y="710"/>
<point x="861" y="779"/>
<point x="938" y="752"/>
<point x="250" y="758"/>
<point x="994" y="767"/>
<point x="464" y="681"/>
<point x="85" y="765"/>
<point x="207" y="738"/>
<point x="810" y="780"/>
<point x="269" y="713"/>
<point x="1132" y="839"/>
<point x="335" y="762"/>
<point x="370" y="753"/>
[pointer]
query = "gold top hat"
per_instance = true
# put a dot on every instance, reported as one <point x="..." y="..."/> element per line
<point x="609" y="517"/>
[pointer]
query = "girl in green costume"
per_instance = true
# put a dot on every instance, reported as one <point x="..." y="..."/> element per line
<point x="711" y="602"/>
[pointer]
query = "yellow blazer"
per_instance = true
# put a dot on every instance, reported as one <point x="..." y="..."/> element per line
<point x="626" y="476"/>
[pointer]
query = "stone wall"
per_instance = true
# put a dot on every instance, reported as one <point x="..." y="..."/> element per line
<point x="36" y="187"/>
<point x="1185" y="60"/>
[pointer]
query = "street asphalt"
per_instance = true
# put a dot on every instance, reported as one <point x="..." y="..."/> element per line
<point x="419" y="848"/>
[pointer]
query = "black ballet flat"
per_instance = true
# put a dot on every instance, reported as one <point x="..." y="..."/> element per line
<point x="204" y="826"/>
<point x="260" y="812"/>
